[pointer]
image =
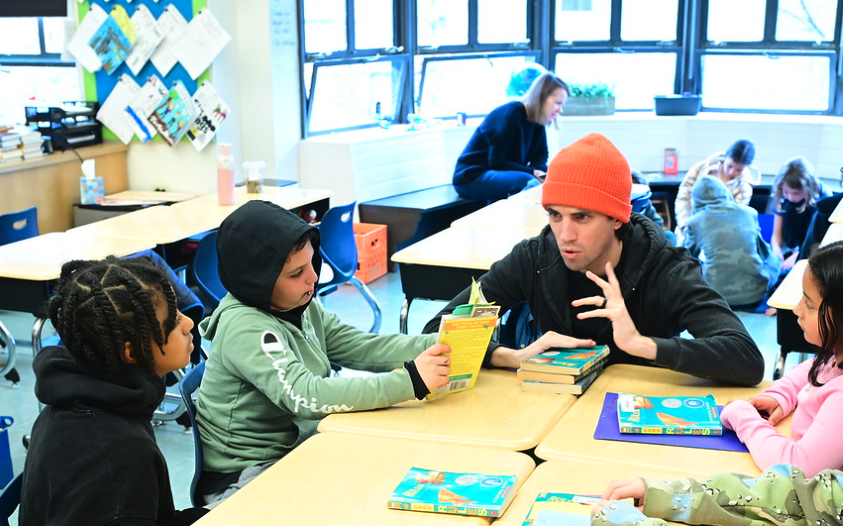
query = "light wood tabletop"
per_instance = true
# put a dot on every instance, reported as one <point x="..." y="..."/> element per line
<point x="160" y="225"/>
<point x="336" y="478"/>
<point x="789" y="292"/>
<point x="518" y="214"/>
<point x="572" y="437"/>
<point x="837" y="215"/>
<point x="40" y="258"/>
<point x="141" y="196"/>
<point x="463" y="247"/>
<point x="582" y="477"/>
<point x="282" y="196"/>
<point x="495" y="413"/>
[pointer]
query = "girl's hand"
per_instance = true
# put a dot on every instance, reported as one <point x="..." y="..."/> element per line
<point x="768" y="408"/>
<point x="434" y="366"/>
<point x="620" y="489"/>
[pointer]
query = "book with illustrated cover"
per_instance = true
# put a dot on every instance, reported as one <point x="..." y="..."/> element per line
<point x="455" y="493"/>
<point x="566" y="361"/>
<point x="576" y="388"/>
<point x="668" y="415"/>
<point x="467" y="331"/>
<point x="561" y="508"/>
<point x="557" y="378"/>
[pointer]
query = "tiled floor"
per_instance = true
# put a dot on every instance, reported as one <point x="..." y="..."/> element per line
<point x="178" y="447"/>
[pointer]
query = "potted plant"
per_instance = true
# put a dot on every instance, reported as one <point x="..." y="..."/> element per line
<point x="590" y="99"/>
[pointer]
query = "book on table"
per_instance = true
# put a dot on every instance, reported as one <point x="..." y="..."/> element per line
<point x="456" y="493"/>
<point x="668" y="415"/>
<point x="576" y="388"/>
<point x="569" y="509"/>
<point x="566" y="361"/>
<point x="467" y="331"/>
<point x="558" y="378"/>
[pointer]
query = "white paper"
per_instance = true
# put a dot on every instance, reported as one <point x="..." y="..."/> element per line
<point x="151" y="94"/>
<point x="112" y="113"/>
<point x="149" y="36"/>
<point x="212" y="111"/>
<point x="78" y="45"/>
<point x="200" y="43"/>
<point x="172" y="24"/>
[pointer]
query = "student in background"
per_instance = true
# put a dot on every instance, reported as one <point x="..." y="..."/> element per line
<point x="820" y="223"/>
<point x="812" y="391"/>
<point x="268" y="379"/>
<point x="649" y="210"/>
<point x="736" y="260"/>
<point x="796" y="192"/>
<point x="508" y="151"/>
<point x="782" y="495"/>
<point x="733" y="167"/>
<point x="598" y="274"/>
<point x="93" y="458"/>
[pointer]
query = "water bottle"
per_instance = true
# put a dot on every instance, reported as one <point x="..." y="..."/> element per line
<point x="225" y="175"/>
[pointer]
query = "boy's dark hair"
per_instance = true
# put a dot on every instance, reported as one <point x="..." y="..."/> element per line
<point x="827" y="269"/>
<point x="311" y="235"/>
<point x="101" y="305"/>
<point x="741" y="151"/>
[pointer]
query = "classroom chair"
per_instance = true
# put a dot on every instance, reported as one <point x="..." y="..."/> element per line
<point x="765" y="221"/>
<point x="10" y="499"/>
<point x="206" y="273"/>
<point x="189" y="384"/>
<point x="339" y="255"/>
<point x="17" y="226"/>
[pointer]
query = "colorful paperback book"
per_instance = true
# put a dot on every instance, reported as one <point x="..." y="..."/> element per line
<point x="555" y="378"/>
<point x="668" y="415"/>
<point x="566" y="361"/>
<point x="455" y="493"/>
<point x="577" y="388"/>
<point x="468" y="335"/>
<point x="564" y="508"/>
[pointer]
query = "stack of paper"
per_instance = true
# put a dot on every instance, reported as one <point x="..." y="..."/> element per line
<point x="562" y="370"/>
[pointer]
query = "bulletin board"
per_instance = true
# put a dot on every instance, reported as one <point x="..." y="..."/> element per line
<point x="98" y="85"/>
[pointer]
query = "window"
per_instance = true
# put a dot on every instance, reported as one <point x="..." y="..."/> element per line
<point x="31" y="66"/>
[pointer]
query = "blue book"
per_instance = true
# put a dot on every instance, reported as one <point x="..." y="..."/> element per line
<point x="455" y="493"/>
<point x="668" y="415"/>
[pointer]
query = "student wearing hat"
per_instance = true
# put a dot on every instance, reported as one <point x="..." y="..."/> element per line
<point x="598" y="274"/>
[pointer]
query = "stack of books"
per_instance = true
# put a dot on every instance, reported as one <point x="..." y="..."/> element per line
<point x="10" y="145"/>
<point x="31" y="143"/>
<point x="562" y="370"/>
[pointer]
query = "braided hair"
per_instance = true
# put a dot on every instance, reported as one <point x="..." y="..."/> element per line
<point x="827" y="270"/>
<point x="101" y="305"/>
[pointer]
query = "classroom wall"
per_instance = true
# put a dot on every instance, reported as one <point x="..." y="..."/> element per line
<point x="257" y="75"/>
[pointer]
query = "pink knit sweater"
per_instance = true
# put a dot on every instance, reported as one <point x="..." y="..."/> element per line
<point x="816" y="425"/>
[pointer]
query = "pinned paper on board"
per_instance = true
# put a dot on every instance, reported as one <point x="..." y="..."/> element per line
<point x="79" y="45"/>
<point x="149" y="36"/>
<point x="172" y="24"/>
<point x="151" y="94"/>
<point x="112" y="113"/>
<point x="200" y="43"/>
<point x="174" y="115"/>
<point x="211" y="112"/>
<point x="113" y="40"/>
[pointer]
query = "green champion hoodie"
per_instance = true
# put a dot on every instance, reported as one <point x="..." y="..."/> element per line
<point x="268" y="378"/>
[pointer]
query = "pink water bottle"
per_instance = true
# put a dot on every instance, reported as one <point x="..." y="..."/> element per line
<point x="225" y="175"/>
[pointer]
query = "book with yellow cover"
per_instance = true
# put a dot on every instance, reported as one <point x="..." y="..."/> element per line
<point x="561" y="508"/>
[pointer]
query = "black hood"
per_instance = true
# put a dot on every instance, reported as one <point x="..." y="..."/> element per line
<point x="253" y="244"/>
<point x="129" y="390"/>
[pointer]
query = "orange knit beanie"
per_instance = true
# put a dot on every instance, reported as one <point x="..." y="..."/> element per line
<point x="591" y="174"/>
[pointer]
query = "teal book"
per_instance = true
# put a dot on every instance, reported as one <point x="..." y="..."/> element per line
<point x="561" y="508"/>
<point x="436" y="491"/>
<point x="566" y="361"/>
<point x="668" y="415"/>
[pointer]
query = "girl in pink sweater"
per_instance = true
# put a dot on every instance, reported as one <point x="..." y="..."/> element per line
<point x="813" y="390"/>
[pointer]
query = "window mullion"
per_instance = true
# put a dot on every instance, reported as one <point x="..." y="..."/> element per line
<point x="473" y="39"/>
<point x="349" y="28"/>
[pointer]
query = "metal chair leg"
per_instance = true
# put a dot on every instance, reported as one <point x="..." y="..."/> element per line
<point x="8" y="342"/>
<point x="405" y="313"/>
<point x="779" y="370"/>
<point x="370" y="299"/>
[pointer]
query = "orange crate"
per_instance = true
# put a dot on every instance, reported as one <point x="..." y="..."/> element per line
<point x="371" y="251"/>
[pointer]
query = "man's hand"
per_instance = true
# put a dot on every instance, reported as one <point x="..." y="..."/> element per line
<point x="512" y="358"/>
<point x="612" y="306"/>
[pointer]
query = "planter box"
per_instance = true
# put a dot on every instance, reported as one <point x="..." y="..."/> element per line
<point x="578" y="106"/>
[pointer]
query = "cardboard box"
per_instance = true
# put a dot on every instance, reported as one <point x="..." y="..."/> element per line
<point x="371" y="251"/>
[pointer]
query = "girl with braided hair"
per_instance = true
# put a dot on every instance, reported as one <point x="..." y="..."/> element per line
<point x="93" y="458"/>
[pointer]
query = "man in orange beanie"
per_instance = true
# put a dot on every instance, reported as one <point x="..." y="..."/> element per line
<point x="599" y="274"/>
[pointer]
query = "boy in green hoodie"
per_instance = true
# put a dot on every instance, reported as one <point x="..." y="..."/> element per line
<point x="268" y="379"/>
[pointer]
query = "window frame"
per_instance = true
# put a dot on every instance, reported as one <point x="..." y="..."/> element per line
<point x="41" y="59"/>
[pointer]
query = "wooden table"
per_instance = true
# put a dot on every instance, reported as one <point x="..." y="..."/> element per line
<point x="789" y="292"/>
<point x="141" y="196"/>
<point x="496" y="413"/>
<point x="337" y="478"/>
<point x="285" y="197"/>
<point x="583" y="477"/>
<point x="572" y="437"/>
<point x="441" y="266"/>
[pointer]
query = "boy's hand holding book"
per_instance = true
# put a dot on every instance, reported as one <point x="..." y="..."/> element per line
<point x="434" y="365"/>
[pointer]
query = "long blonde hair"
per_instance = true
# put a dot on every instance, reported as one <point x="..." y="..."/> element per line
<point x="797" y="173"/>
<point x="539" y="91"/>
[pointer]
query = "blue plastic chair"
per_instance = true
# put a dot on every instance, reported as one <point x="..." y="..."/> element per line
<point x="189" y="384"/>
<point x="17" y="226"/>
<point x="339" y="253"/>
<point x="206" y="272"/>
<point x="765" y="221"/>
<point x="10" y="499"/>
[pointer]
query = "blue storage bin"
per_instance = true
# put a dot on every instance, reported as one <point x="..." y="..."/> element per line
<point x="6" y="471"/>
<point x="677" y="104"/>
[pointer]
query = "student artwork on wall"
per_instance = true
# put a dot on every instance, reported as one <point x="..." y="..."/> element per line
<point x="165" y="48"/>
